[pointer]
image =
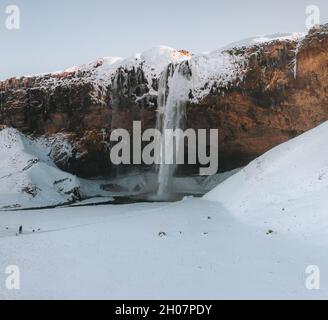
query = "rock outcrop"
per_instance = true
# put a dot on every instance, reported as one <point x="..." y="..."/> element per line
<point x="283" y="94"/>
<point x="258" y="96"/>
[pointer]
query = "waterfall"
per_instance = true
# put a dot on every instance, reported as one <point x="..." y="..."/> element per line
<point x="296" y="56"/>
<point x="173" y="93"/>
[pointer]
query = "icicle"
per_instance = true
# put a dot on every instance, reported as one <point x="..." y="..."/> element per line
<point x="299" y="42"/>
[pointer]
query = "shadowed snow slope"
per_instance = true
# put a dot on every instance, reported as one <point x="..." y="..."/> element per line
<point x="28" y="176"/>
<point x="284" y="190"/>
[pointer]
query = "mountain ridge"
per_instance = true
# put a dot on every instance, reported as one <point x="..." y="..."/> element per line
<point x="258" y="96"/>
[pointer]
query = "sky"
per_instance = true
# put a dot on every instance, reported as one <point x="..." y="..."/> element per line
<point x="55" y="35"/>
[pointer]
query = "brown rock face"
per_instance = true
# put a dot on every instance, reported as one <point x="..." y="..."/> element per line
<point x="275" y="100"/>
<point x="86" y="113"/>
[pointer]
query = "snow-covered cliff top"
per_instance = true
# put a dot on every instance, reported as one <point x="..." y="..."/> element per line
<point x="217" y="68"/>
<point x="261" y="39"/>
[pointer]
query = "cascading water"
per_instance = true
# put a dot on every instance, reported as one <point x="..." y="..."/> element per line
<point x="173" y="92"/>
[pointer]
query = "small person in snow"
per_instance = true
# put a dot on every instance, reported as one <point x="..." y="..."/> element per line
<point x="20" y="231"/>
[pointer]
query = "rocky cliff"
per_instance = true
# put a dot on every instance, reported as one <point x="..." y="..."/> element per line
<point x="258" y="94"/>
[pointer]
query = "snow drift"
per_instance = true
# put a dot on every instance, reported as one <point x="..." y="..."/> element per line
<point x="29" y="178"/>
<point x="285" y="190"/>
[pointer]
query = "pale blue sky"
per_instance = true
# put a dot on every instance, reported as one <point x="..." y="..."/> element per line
<point x="58" y="34"/>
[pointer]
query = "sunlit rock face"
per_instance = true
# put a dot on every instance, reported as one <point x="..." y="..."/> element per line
<point x="258" y="94"/>
<point x="283" y="93"/>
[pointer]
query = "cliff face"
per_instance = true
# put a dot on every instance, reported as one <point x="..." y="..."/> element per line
<point x="257" y="95"/>
<point x="283" y="94"/>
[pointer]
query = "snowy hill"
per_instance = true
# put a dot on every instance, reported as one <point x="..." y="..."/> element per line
<point x="260" y="39"/>
<point x="285" y="190"/>
<point x="29" y="177"/>
<point x="102" y="71"/>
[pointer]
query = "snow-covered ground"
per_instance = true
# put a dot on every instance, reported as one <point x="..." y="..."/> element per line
<point x="254" y="236"/>
<point x="29" y="178"/>
<point x="284" y="190"/>
<point x="193" y="249"/>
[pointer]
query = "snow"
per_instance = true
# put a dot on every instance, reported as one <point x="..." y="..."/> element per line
<point x="285" y="190"/>
<point x="102" y="72"/>
<point x="218" y="69"/>
<point x="193" y="249"/>
<point x="28" y="176"/>
<point x="252" y="237"/>
<point x="214" y="70"/>
<point x="157" y="58"/>
<point x="153" y="61"/>
<point x="267" y="38"/>
<point x="30" y="179"/>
